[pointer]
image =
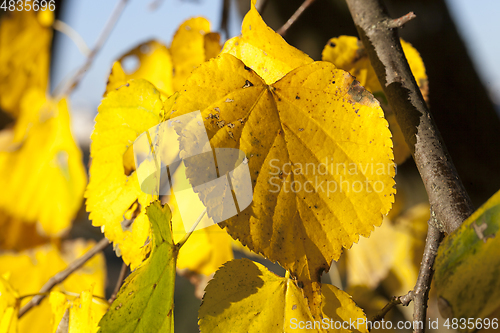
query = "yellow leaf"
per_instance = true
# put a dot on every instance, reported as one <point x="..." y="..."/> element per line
<point x="17" y="235"/>
<point x="25" y="39"/>
<point x="191" y="46"/>
<point x="263" y="50"/>
<point x="113" y="193"/>
<point x="43" y="179"/>
<point x="245" y="297"/>
<point x="348" y="53"/>
<point x="313" y="127"/>
<point x="8" y="306"/>
<point x="83" y="312"/>
<point x="153" y="63"/>
<point x="31" y="269"/>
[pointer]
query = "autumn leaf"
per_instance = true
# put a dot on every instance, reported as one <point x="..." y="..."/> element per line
<point x="348" y="53"/>
<point x="25" y="38"/>
<point x="113" y="193"/>
<point x="145" y="302"/>
<point x="9" y="306"/>
<point x="154" y="64"/>
<point x="41" y="169"/>
<point x="245" y="297"/>
<point x="467" y="264"/>
<point x="192" y="45"/>
<point x="17" y="235"/>
<point x="31" y="269"/>
<point x="263" y="50"/>
<point x="315" y="115"/>
<point x="80" y="314"/>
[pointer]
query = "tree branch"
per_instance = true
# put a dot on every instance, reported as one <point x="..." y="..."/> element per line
<point x="61" y="276"/>
<point x="447" y="195"/>
<point x="75" y="80"/>
<point x="119" y="282"/>
<point x="282" y="31"/>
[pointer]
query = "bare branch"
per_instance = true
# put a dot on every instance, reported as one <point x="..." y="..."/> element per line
<point x="261" y="6"/>
<point x="420" y="293"/>
<point x="282" y="31"/>
<point x="224" y="23"/>
<point x="73" y="82"/>
<point x="400" y="22"/>
<point x="62" y="275"/>
<point x="421" y="290"/>
<point x="119" y="282"/>
<point x="388" y="307"/>
<point x="447" y="196"/>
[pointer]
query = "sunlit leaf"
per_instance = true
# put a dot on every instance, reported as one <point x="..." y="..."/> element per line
<point x="348" y="53"/>
<point x="245" y="297"/>
<point x="43" y="177"/>
<point x="80" y="314"/>
<point x="467" y="265"/>
<point x="25" y="38"/>
<point x="114" y="194"/>
<point x="314" y="117"/>
<point x="8" y="306"/>
<point x="263" y="50"/>
<point x="31" y="269"/>
<point x="151" y="61"/>
<point x="145" y="302"/>
<point x="192" y="45"/>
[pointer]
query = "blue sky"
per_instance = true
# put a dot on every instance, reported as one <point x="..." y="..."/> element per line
<point x="477" y="21"/>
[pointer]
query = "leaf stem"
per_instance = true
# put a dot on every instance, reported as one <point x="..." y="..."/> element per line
<point x="193" y="228"/>
<point x="62" y="275"/>
<point x="283" y="30"/>
<point x="73" y="82"/>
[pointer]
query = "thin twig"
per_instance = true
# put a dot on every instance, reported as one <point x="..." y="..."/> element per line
<point x="400" y="22"/>
<point x="421" y="290"/>
<point x="224" y="23"/>
<point x="73" y="35"/>
<point x="388" y="307"/>
<point x="283" y="30"/>
<point x="62" y="275"/>
<point x="420" y="293"/>
<point x="261" y="6"/>
<point x="193" y="228"/>
<point x="73" y="82"/>
<point x="119" y="282"/>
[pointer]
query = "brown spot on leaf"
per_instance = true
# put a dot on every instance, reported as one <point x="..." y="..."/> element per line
<point x="361" y="95"/>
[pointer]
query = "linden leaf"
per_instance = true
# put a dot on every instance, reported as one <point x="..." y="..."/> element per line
<point x="191" y="46"/>
<point x="31" y="269"/>
<point x="80" y="314"/>
<point x="263" y="50"/>
<point x="43" y="177"/>
<point x="245" y="297"/>
<point x="308" y="130"/>
<point x="145" y="302"/>
<point x="9" y="307"/>
<point x="113" y="193"/>
<point x="467" y="265"/>
<point x="17" y="235"/>
<point x="348" y="53"/>
<point x="25" y="38"/>
<point x="153" y="64"/>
